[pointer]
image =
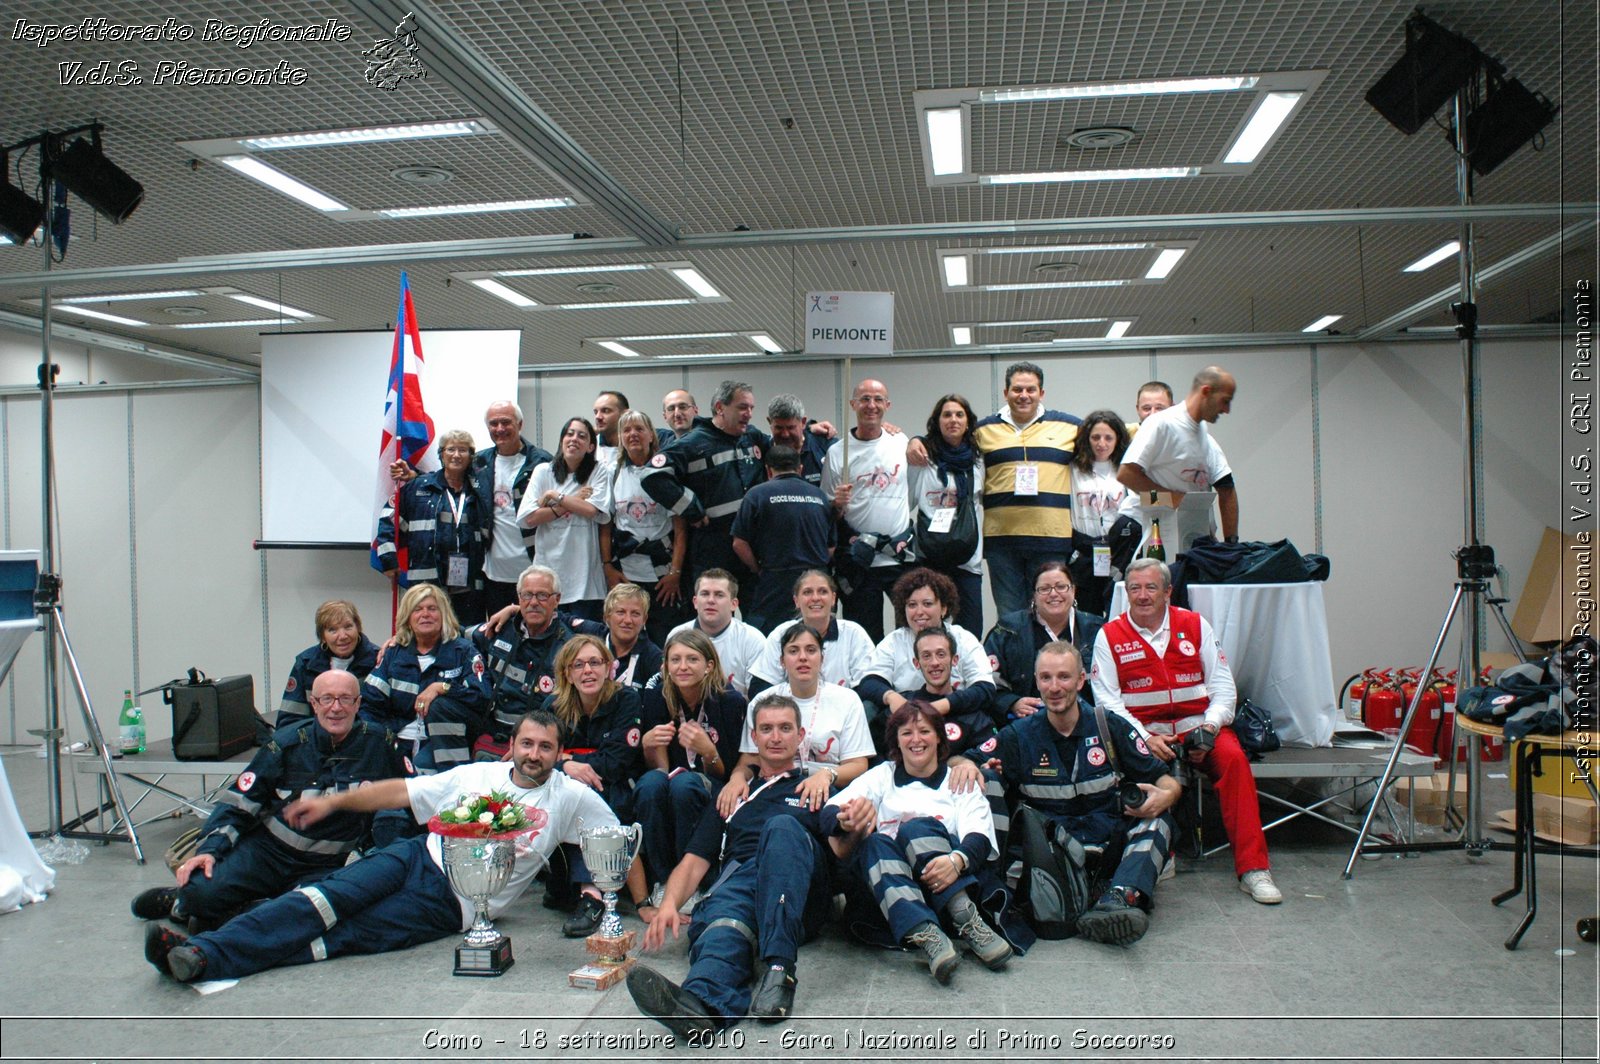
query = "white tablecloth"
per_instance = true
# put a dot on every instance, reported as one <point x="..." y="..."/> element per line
<point x="23" y="877"/>
<point x="1276" y="640"/>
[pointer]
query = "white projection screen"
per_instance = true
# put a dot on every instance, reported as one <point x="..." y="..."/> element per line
<point x="322" y="418"/>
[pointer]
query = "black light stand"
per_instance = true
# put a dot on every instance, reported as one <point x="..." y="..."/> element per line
<point x="1475" y="564"/>
<point x="47" y="604"/>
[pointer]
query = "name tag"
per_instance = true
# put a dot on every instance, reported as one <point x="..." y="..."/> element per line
<point x="1132" y="655"/>
<point x="456" y="573"/>
<point x="942" y="519"/>
<point x="1027" y="480"/>
<point x="1102" y="559"/>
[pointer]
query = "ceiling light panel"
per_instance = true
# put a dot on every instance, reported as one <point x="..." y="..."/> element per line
<point x="1433" y="258"/>
<point x="128" y="297"/>
<point x="755" y="344"/>
<point x="368" y="135"/>
<point x="494" y="207"/>
<point x="278" y="181"/>
<point x="273" y="305"/>
<point x="504" y="292"/>
<point x="650" y="284"/>
<point x="1020" y="268"/>
<point x="98" y="315"/>
<point x="1322" y="323"/>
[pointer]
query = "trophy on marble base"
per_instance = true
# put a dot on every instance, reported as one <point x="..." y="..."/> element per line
<point x="479" y="866"/>
<point x="609" y="852"/>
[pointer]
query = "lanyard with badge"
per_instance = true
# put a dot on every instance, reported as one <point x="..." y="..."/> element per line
<point x="1025" y="474"/>
<point x="456" y="564"/>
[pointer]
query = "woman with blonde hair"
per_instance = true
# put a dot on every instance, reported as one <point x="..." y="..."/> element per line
<point x="441" y="528"/>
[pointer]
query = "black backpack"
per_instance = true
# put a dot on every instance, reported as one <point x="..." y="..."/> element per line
<point x="1054" y="889"/>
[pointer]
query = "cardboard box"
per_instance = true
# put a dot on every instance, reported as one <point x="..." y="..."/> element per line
<point x="1571" y="821"/>
<point x="1545" y="612"/>
<point x="1429" y="794"/>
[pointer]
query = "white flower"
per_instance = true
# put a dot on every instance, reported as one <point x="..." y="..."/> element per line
<point x="463" y="813"/>
<point x="486" y="817"/>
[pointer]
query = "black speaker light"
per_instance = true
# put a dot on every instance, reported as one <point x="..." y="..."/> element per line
<point x="1436" y="65"/>
<point x="20" y="213"/>
<point x="96" y="180"/>
<point x="1510" y="117"/>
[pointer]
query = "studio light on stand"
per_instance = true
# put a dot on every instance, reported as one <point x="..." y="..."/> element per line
<point x="80" y="167"/>
<point x="1439" y="65"/>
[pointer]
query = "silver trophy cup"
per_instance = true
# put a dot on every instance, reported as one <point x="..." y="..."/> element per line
<point x="479" y="869"/>
<point x="609" y="852"/>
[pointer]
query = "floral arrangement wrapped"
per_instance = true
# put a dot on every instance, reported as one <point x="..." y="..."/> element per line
<point x="487" y="816"/>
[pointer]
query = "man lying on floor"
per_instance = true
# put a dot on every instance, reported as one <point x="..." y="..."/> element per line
<point x="399" y="896"/>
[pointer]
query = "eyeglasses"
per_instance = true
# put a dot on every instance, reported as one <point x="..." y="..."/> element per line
<point x="537" y="596"/>
<point x="1053" y="589"/>
<point x="347" y="701"/>
<point x="581" y="666"/>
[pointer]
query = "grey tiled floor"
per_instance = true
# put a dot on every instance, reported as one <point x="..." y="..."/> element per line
<point x="1404" y="960"/>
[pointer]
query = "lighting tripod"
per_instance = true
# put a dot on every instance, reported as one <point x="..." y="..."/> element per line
<point x="47" y="605"/>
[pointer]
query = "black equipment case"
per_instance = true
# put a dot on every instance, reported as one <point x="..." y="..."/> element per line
<point x="212" y="719"/>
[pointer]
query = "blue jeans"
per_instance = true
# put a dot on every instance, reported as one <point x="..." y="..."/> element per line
<point x="667" y="811"/>
<point x="389" y="900"/>
<point x="759" y="911"/>
<point x="1011" y="572"/>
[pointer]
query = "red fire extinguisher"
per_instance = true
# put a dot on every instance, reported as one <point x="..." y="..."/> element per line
<point x="1444" y="740"/>
<point x="1381" y="708"/>
<point x="1425" y="725"/>
<point x="1352" y="690"/>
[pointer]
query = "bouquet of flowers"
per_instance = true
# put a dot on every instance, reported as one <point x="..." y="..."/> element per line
<point x="492" y="815"/>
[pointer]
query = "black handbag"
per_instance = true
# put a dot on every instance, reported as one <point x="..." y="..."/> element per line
<point x="1253" y="725"/>
<point x="948" y="550"/>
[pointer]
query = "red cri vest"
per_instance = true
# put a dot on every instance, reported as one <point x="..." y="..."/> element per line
<point x="1160" y="688"/>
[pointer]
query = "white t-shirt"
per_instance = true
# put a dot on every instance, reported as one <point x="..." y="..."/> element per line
<point x="892" y="659"/>
<point x="879" y="503"/>
<point x="738" y="647"/>
<point x="930" y="491"/>
<point x="844" y="658"/>
<point x="834" y="720"/>
<point x="571" y="544"/>
<point x="565" y="801"/>
<point x="1175" y="451"/>
<point x="635" y="512"/>
<point x="507" y="556"/>
<point x="1096" y="498"/>
<point x="961" y="814"/>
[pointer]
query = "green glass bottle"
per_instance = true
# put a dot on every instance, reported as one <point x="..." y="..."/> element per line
<point x="130" y="724"/>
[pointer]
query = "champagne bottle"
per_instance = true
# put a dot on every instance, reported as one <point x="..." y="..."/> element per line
<point x="1154" y="549"/>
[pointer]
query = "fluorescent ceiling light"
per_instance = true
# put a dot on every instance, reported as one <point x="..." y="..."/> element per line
<point x="1089" y="90"/>
<point x="1165" y="263"/>
<point x="87" y="313"/>
<point x="548" y="271"/>
<point x="1040" y="321"/>
<point x="1053" y="249"/>
<point x="679" y="336"/>
<point x="495" y="288"/>
<point x="945" y="139"/>
<point x="252" y="323"/>
<point x="479" y="208"/>
<point x="1044" y="176"/>
<point x="625" y="352"/>
<point x="122" y="297"/>
<point x="688" y="358"/>
<point x="955" y="271"/>
<point x="363" y="136"/>
<point x="1028" y="285"/>
<point x="695" y="282"/>
<point x="1271" y="113"/>
<point x="274" y="178"/>
<point x="1322" y="323"/>
<point x="1118" y="330"/>
<point x="961" y="335"/>
<point x="624" y="303"/>
<point x="1434" y="257"/>
<point x="766" y="343"/>
<point x="276" y="308"/>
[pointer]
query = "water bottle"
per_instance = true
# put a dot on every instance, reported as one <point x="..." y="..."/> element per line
<point x="130" y="724"/>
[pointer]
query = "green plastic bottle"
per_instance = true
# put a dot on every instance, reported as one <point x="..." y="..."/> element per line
<point x="130" y="722"/>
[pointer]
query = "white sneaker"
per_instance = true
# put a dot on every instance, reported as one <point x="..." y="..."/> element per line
<point x="1260" y="887"/>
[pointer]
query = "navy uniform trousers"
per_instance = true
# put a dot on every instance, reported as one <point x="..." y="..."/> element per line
<point x="668" y="807"/>
<point x="892" y="869"/>
<point x="759" y="910"/>
<point x="392" y="899"/>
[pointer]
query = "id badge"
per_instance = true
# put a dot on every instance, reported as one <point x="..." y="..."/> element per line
<point x="1102" y="559"/>
<point x="1027" y="482"/>
<point x="942" y="519"/>
<point x="456" y="571"/>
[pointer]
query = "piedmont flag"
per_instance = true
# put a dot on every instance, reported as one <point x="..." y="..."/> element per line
<point x="407" y="428"/>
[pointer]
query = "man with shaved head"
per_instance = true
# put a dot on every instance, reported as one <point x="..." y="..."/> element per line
<point x="1174" y="452"/>
<point x="871" y="498"/>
